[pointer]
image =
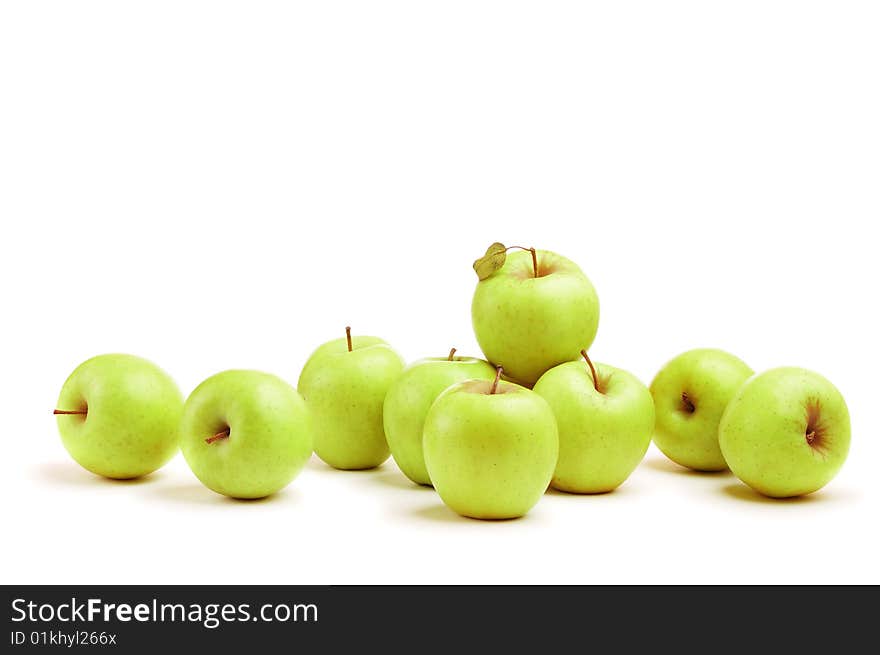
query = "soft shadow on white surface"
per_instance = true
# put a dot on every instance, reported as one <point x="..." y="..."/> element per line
<point x="439" y="512"/>
<point x="386" y="474"/>
<point x="622" y="490"/>
<point x="317" y="464"/>
<point x="742" y="492"/>
<point x="397" y="480"/>
<point x="196" y="493"/>
<point x="668" y="466"/>
<point x="71" y="474"/>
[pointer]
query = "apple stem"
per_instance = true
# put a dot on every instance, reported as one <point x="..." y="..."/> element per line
<point x="687" y="404"/>
<point x="815" y="431"/>
<point x="592" y="370"/>
<point x="495" y="383"/>
<point x="451" y="353"/>
<point x="70" y="411"/>
<point x="534" y="256"/>
<point x="224" y="434"/>
<point x="348" y="336"/>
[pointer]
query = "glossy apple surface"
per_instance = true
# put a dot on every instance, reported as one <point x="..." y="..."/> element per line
<point x="345" y="392"/>
<point x="786" y="432"/>
<point x="604" y="433"/>
<point x="490" y="455"/>
<point x="132" y="411"/>
<point x="690" y="394"/>
<point x="530" y="324"/>
<point x="411" y="396"/>
<point x="268" y="433"/>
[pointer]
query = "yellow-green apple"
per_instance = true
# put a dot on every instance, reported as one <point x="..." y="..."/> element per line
<point x="344" y="383"/>
<point x="490" y="448"/>
<point x="605" y="417"/>
<point x="786" y="432"/>
<point x="245" y="434"/>
<point x="690" y="393"/>
<point x="118" y="416"/>
<point x="535" y="311"/>
<point x="411" y="396"/>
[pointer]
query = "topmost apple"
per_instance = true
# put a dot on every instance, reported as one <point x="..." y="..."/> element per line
<point x="532" y="310"/>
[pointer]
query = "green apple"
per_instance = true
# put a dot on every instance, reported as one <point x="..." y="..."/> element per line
<point x="690" y="393"/>
<point x="532" y="314"/>
<point x="411" y="396"/>
<point x="245" y="434"/>
<point x="344" y="384"/>
<point x="490" y="448"/>
<point x="786" y="432"/>
<point x="118" y="416"/>
<point x="605" y="418"/>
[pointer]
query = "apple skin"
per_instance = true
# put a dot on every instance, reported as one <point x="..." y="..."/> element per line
<point x="345" y="392"/>
<point x="763" y="432"/>
<point x="411" y="396"/>
<point x="490" y="456"/>
<point x="710" y="378"/>
<point x="602" y="435"/>
<point x="134" y="410"/>
<point x="269" y="433"/>
<point x="528" y="325"/>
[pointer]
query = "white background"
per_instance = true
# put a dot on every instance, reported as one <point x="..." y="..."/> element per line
<point x="218" y="184"/>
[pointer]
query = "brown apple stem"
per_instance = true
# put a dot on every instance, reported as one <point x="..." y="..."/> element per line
<point x="70" y="411"/>
<point x="217" y="437"/>
<point x="534" y="256"/>
<point x="451" y="353"/>
<point x="592" y="369"/>
<point x="687" y="405"/>
<point x="348" y="337"/>
<point x="495" y="383"/>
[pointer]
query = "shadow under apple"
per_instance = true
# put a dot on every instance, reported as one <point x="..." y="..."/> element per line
<point x="622" y="490"/>
<point x="742" y="492"/>
<point x="439" y="512"/>
<point x="315" y="463"/>
<point x="195" y="493"/>
<point x="668" y="466"/>
<point x="71" y="474"/>
<point x="397" y="480"/>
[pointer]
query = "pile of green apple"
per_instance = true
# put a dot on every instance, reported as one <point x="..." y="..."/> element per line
<point x="490" y="435"/>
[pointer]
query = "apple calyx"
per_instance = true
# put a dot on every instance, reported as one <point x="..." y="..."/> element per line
<point x="494" y="387"/>
<point x="687" y="405"/>
<point x="815" y="432"/>
<point x="223" y="434"/>
<point x="451" y="354"/>
<point x="65" y="412"/>
<point x="348" y="336"/>
<point x="494" y="259"/>
<point x="592" y="371"/>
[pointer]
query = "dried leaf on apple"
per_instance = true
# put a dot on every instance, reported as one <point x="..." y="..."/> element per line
<point x="493" y="260"/>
